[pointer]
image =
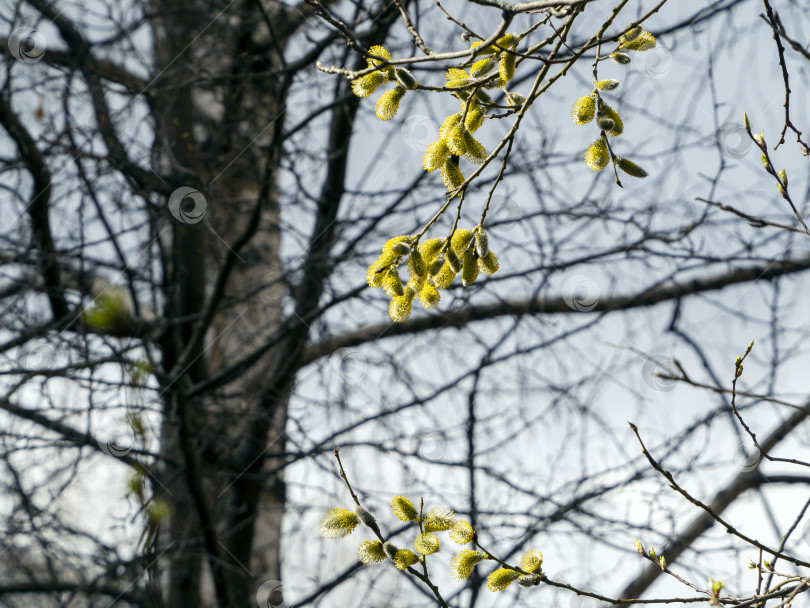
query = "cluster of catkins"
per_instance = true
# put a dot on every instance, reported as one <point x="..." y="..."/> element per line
<point x="432" y="265"/>
<point x="597" y="156"/>
<point x="338" y="522"/>
<point x="494" y="69"/>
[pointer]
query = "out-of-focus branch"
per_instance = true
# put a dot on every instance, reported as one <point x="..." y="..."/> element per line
<point x="743" y="481"/>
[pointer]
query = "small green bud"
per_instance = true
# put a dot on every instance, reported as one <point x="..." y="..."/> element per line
<point x="405" y="78"/>
<point x="454" y="261"/>
<point x="605" y="123"/>
<point x="746" y="123"/>
<point x="528" y="580"/>
<point x="662" y="562"/>
<point x="515" y="101"/>
<point x="607" y="85"/>
<point x="652" y="553"/>
<point x="766" y="164"/>
<point x="481" y="243"/>
<point x="401" y="248"/>
<point x="631" y="168"/>
<point x="783" y="177"/>
<point x="483" y="98"/>
<point x="436" y="265"/>
<point x="639" y="547"/>
<point x="760" y="139"/>
<point x="366" y="517"/>
<point x="633" y="33"/>
<point x="390" y="549"/>
<point x="620" y="58"/>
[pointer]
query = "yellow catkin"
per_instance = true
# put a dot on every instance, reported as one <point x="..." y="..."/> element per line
<point x="469" y="271"/>
<point x="388" y="104"/>
<point x="597" y="156"/>
<point x="435" y="155"/>
<point x="583" y="110"/>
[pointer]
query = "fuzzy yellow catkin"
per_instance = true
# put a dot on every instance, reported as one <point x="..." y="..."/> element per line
<point x="446" y="275"/>
<point x="481" y="243"/>
<point x="489" y="263"/>
<point x="583" y="110"/>
<point x="388" y="104"/>
<point x="474" y="119"/>
<point x="501" y="578"/>
<point x="506" y="66"/>
<point x="482" y="67"/>
<point x="597" y="156"/>
<point x="435" y="155"/>
<point x="475" y="151"/>
<point x="429" y="296"/>
<point x="416" y="264"/>
<point x="469" y="271"/>
<point x="607" y="85"/>
<point x="366" y="85"/>
<point x="455" y="140"/>
<point x="392" y="284"/>
<point x="451" y="175"/>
